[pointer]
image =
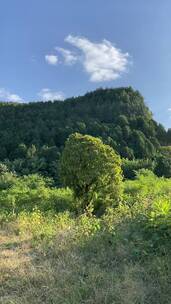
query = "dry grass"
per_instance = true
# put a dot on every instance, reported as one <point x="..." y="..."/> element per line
<point x="67" y="271"/>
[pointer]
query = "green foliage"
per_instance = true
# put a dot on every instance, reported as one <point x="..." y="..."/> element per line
<point x="3" y="168"/>
<point x="31" y="160"/>
<point x="146" y="186"/>
<point x="33" y="135"/>
<point x="121" y="257"/>
<point x="130" y="167"/>
<point x="149" y="196"/>
<point x="92" y="170"/>
<point x="141" y="224"/>
<point x="163" y="166"/>
<point x="33" y="191"/>
<point x="42" y="226"/>
<point x="7" y="180"/>
<point x="127" y="250"/>
<point x="163" y="162"/>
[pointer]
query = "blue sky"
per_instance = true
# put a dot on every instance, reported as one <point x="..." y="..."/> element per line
<point x="64" y="48"/>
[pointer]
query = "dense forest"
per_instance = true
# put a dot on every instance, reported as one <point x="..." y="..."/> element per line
<point x="33" y="135"/>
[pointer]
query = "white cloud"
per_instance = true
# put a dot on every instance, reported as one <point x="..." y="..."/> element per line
<point x="69" y="57"/>
<point x="102" y="61"/>
<point x="51" y="59"/>
<point x="5" y="95"/>
<point x="47" y="94"/>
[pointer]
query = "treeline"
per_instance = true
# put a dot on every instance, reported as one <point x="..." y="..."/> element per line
<point x="33" y="135"/>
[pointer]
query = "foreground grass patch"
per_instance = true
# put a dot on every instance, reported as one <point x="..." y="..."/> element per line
<point x="65" y="260"/>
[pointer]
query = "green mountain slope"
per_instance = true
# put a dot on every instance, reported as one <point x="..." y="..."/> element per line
<point x="119" y="116"/>
<point x="39" y="130"/>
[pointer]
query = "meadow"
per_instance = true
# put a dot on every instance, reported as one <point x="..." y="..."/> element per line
<point x="51" y="253"/>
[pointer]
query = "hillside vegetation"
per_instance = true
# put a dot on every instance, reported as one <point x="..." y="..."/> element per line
<point x="85" y="219"/>
<point x="33" y="135"/>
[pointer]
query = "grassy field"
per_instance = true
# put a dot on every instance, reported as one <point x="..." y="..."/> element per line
<point x="124" y="257"/>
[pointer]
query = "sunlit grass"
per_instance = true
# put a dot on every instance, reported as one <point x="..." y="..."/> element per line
<point x="60" y="258"/>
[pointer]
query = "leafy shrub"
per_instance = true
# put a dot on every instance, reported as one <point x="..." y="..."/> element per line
<point x="130" y="167"/>
<point x="93" y="171"/>
<point x="146" y="186"/>
<point x="149" y="209"/>
<point x="163" y="162"/>
<point x="7" y="180"/>
<point x="33" y="191"/>
<point x="163" y="165"/>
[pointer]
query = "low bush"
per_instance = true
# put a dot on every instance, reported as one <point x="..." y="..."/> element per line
<point x="33" y="191"/>
<point x="130" y="167"/>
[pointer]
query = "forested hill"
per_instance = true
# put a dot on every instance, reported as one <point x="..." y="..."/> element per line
<point x="39" y="130"/>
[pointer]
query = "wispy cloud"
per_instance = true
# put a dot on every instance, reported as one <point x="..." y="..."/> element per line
<point x="51" y="59"/>
<point x="5" y="95"/>
<point x="102" y="61"/>
<point x="69" y="57"/>
<point x="47" y="94"/>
